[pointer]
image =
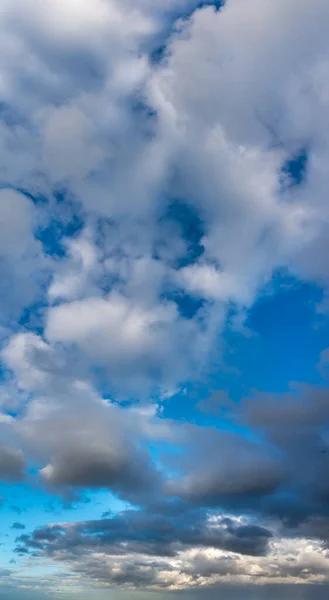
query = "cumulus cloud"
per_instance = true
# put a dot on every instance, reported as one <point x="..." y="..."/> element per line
<point x="95" y="108"/>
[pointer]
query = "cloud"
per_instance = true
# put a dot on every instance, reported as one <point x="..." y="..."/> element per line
<point x="94" y="107"/>
<point x="159" y="531"/>
<point x="159" y="161"/>
<point x="18" y="526"/>
<point x="274" y="465"/>
<point x="12" y="464"/>
<point x="77" y="439"/>
<point x="117" y="465"/>
<point x="145" y="549"/>
<point x="22" y="260"/>
<point x="177" y="550"/>
<point x="223" y="469"/>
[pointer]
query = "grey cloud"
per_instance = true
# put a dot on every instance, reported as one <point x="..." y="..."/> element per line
<point x="225" y="469"/>
<point x="282" y="475"/>
<point x="126" y="471"/>
<point x="294" y="425"/>
<point x="79" y="440"/>
<point x="136" y="549"/>
<point x="203" y="566"/>
<point x="151" y="532"/>
<point x="304" y="406"/>
<point x="12" y="464"/>
<point x="17" y="525"/>
<point x="135" y="573"/>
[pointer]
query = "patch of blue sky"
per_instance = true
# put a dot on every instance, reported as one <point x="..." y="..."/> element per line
<point x="280" y="344"/>
<point x="294" y="170"/>
<point x="287" y="341"/>
<point x="187" y="304"/>
<point x="62" y="217"/>
<point x="65" y="221"/>
<point x="32" y="318"/>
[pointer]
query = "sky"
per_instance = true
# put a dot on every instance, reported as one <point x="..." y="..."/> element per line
<point x="164" y="300"/>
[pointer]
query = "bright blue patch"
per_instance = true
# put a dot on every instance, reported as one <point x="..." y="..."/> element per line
<point x="52" y="235"/>
<point x="285" y="342"/>
<point x="217" y="4"/>
<point x="282" y="344"/>
<point x="187" y="305"/>
<point x="295" y="168"/>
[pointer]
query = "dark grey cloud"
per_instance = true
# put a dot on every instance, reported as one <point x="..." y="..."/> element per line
<point x="295" y="424"/>
<point x="162" y="531"/>
<point x="80" y="440"/>
<point x="101" y="466"/>
<point x="305" y="407"/>
<point x="12" y="464"/>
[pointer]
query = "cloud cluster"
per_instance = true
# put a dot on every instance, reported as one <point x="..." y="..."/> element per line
<point x="173" y="549"/>
<point x="159" y="161"/>
<point x="103" y="125"/>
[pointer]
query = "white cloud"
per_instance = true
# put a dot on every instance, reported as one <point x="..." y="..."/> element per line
<point x="221" y="98"/>
<point x="77" y="276"/>
<point x="137" y="346"/>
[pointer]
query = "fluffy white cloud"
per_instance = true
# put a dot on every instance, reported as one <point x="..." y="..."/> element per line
<point x="229" y="111"/>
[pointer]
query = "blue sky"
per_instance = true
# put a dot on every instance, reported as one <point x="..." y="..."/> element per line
<point x="164" y="284"/>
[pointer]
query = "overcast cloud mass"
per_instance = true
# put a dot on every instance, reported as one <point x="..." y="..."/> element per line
<point x="164" y="299"/>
